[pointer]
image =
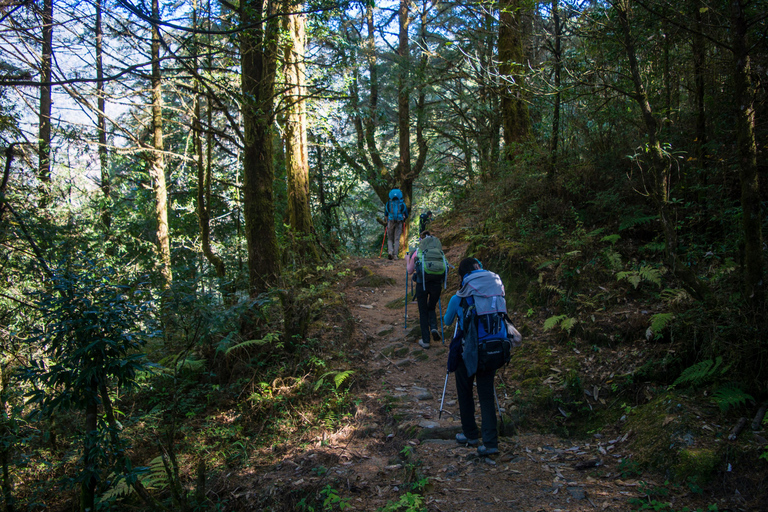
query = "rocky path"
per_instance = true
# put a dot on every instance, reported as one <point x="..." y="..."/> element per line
<point x="381" y="461"/>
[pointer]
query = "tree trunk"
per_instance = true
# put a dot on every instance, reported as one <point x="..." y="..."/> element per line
<point x="660" y="164"/>
<point x="88" y="486"/>
<point x="514" y="111"/>
<point x="8" y="443"/>
<point x="204" y="168"/>
<point x="744" y="95"/>
<point x="558" y="64"/>
<point x="101" y="125"/>
<point x="403" y="169"/>
<point x="296" y="146"/>
<point x="699" y="59"/>
<point x="44" y="128"/>
<point x="258" y="61"/>
<point x="157" y="160"/>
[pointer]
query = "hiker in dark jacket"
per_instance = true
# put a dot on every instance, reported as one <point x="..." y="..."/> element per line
<point x="427" y="296"/>
<point x="479" y="283"/>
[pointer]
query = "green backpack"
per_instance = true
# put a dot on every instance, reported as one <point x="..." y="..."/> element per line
<point x="431" y="265"/>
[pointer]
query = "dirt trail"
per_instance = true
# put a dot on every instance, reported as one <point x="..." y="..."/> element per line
<point x="397" y="437"/>
<point x="532" y="473"/>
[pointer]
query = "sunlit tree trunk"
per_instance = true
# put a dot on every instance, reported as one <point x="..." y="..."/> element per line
<point x="296" y="145"/>
<point x="514" y="111"/>
<point x="44" y="128"/>
<point x="744" y="95"/>
<point x="258" y="61"/>
<point x="157" y="160"/>
<point x="101" y="124"/>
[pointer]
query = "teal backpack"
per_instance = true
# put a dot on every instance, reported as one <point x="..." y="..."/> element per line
<point x="396" y="209"/>
<point x="431" y="265"/>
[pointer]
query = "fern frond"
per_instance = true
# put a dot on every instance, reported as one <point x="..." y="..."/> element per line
<point x="338" y="378"/>
<point x="701" y="372"/>
<point x="612" y="258"/>
<point x="730" y="395"/>
<point x="678" y="296"/>
<point x="341" y="377"/>
<point x="632" y="276"/>
<point x="660" y="320"/>
<point x="269" y="338"/>
<point x="650" y="274"/>
<point x="553" y="288"/>
<point x="552" y="321"/>
<point x="155" y="478"/>
<point x="611" y="239"/>
<point x="568" y="324"/>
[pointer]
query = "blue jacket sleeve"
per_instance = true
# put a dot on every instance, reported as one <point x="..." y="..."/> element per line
<point x="452" y="311"/>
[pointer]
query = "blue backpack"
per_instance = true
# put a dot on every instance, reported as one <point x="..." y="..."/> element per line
<point x="489" y="332"/>
<point x="396" y="209"/>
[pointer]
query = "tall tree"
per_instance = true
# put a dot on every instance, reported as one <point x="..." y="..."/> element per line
<point x="44" y="123"/>
<point x="156" y="156"/>
<point x="204" y="165"/>
<point x="295" y="134"/>
<point x="660" y="163"/>
<point x="514" y="109"/>
<point x="258" y="64"/>
<point x="752" y="218"/>
<point x="101" y="121"/>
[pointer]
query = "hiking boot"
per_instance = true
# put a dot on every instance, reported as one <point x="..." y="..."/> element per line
<point x="389" y="256"/>
<point x="436" y="335"/>
<point x="482" y="450"/>
<point x="462" y="439"/>
<point x="422" y="344"/>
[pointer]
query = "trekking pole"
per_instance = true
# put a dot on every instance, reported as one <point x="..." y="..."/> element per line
<point x="381" y="251"/>
<point x="501" y="418"/>
<point x="448" y="371"/>
<point x="439" y="415"/>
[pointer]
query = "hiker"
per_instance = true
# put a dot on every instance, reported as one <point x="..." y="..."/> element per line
<point x="424" y="220"/>
<point x="428" y="266"/>
<point x="482" y="285"/>
<point x="396" y="213"/>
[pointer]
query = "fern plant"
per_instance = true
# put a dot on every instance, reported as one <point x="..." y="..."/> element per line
<point x="565" y="323"/>
<point x="702" y="372"/>
<point x="658" y="322"/>
<point x="153" y="478"/>
<point x="338" y="378"/>
<point x="730" y="395"/>
<point x="644" y="273"/>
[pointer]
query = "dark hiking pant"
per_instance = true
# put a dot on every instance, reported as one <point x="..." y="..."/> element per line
<point x="427" y="301"/>
<point x="467" y="405"/>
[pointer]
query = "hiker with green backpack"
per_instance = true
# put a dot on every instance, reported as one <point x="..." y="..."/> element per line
<point x="429" y="268"/>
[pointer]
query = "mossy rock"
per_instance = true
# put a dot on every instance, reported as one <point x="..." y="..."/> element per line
<point x="399" y="303"/>
<point x="697" y="464"/>
<point x="372" y="280"/>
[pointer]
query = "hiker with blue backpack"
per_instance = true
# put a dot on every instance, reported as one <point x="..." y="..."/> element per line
<point x="481" y="345"/>
<point x="396" y="213"/>
<point x="429" y="268"/>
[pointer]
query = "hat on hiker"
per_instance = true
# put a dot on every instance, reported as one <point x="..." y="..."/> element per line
<point x="467" y="265"/>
